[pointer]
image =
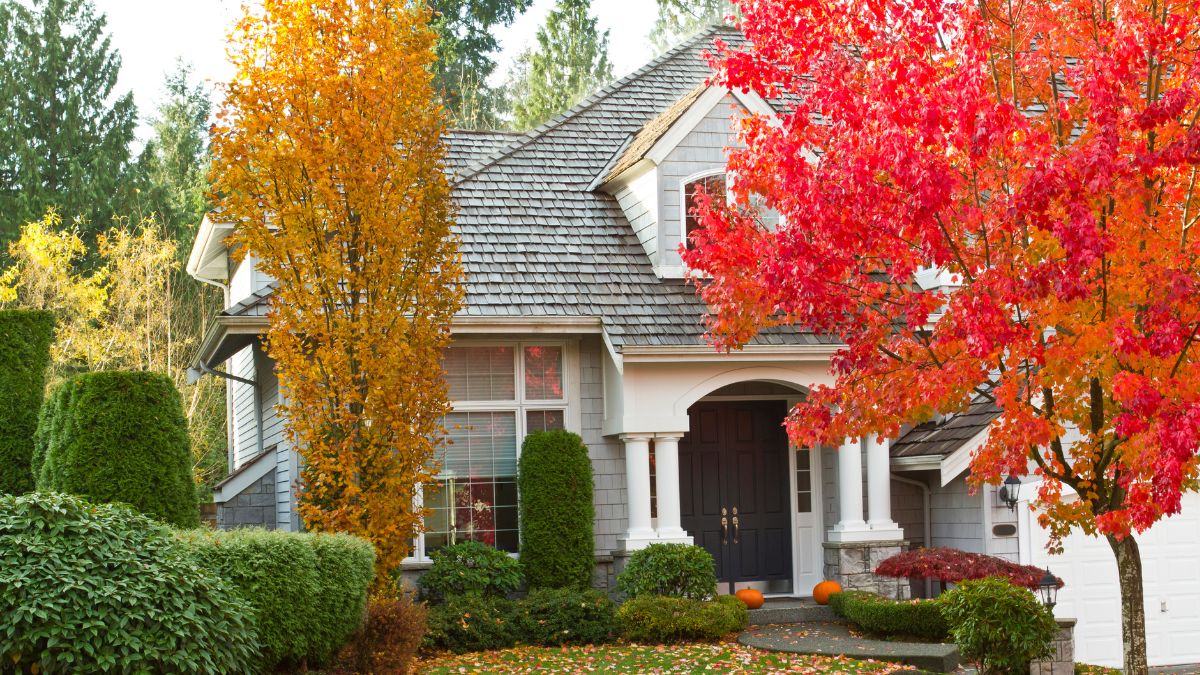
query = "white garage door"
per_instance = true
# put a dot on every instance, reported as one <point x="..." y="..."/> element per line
<point x="1171" y="580"/>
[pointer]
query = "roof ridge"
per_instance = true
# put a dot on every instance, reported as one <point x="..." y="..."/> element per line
<point x="477" y="167"/>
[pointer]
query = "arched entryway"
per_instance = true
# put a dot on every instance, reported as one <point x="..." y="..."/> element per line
<point x="746" y="495"/>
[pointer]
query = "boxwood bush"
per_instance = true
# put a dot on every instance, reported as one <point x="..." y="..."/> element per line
<point x="470" y="568"/>
<point x="121" y="437"/>
<point x="471" y="623"/>
<point x="25" y="337"/>
<point x="100" y="588"/>
<point x="998" y="626"/>
<point x="661" y="620"/>
<point x="551" y="617"/>
<point x="886" y="617"/>
<point x="672" y="570"/>
<point x="307" y="591"/>
<point x="555" y="482"/>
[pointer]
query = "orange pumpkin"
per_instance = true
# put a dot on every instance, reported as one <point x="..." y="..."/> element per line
<point x="823" y="590"/>
<point x="751" y="598"/>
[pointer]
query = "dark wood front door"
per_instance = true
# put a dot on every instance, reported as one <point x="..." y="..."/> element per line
<point x="733" y="464"/>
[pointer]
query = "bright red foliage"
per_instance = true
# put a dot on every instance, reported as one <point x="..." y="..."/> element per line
<point x="950" y="566"/>
<point x="1063" y="214"/>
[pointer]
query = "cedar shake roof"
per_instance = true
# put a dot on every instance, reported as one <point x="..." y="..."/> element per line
<point x="645" y="139"/>
<point x="538" y="241"/>
<point x="943" y="438"/>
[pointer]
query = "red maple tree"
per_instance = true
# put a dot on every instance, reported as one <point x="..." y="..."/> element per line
<point x="1040" y="159"/>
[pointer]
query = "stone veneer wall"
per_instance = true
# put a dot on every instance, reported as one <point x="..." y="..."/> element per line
<point x="1062" y="658"/>
<point x="851" y="564"/>
<point x="252" y="507"/>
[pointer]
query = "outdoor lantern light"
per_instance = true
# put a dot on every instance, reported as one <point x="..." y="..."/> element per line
<point x="1048" y="589"/>
<point x="1008" y="491"/>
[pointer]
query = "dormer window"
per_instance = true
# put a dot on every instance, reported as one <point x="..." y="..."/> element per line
<point x="712" y="182"/>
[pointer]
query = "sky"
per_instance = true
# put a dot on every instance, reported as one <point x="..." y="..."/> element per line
<point x="151" y="34"/>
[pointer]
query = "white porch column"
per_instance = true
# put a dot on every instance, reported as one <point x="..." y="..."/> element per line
<point x="851" y="527"/>
<point x="637" y="489"/>
<point x="666" y="479"/>
<point x="879" y="490"/>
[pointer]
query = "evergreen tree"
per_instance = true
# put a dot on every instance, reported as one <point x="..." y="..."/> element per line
<point x="63" y="144"/>
<point x="466" y="42"/>
<point x="173" y="167"/>
<point x="570" y="62"/>
<point x="680" y="19"/>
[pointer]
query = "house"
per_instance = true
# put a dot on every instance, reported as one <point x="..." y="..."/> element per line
<point x="577" y="316"/>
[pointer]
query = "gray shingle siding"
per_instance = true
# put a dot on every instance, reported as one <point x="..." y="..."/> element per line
<point x="956" y="517"/>
<point x="607" y="454"/>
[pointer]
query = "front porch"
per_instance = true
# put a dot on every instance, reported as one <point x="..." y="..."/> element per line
<point x="707" y="463"/>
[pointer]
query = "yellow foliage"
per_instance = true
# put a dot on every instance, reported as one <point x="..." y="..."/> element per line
<point x="327" y="154"/>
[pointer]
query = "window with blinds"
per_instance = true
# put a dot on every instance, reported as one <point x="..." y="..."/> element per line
<point x="500" y="394"/>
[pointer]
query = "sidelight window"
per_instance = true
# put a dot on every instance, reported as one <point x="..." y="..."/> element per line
<point x="804" y="481"/>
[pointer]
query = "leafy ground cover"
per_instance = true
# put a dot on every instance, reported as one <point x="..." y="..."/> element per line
<point x="663" y="659"/>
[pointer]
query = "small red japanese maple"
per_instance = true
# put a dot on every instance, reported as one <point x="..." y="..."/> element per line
<point x="1042" y="157"/>
<point x="950" y="566"/>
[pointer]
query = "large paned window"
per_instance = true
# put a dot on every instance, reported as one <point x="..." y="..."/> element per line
<point x="500" y="393"/>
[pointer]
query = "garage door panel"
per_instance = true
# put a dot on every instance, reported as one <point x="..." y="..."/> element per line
<point x="1171" y="579"/>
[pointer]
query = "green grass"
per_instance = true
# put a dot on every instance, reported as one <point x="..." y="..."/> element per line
<point x="689" y="658"/>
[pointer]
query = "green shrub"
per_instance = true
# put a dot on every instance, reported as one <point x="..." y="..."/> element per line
<point x="551" y="617"/>
<point x="25" y="337"/>
<point x="389" y="637"/>
<point x="661" y="620"/>
<point x="100" y="588"/>
<point x="470" y="568"/>
<point x="672" y="570"/>
<point x="470" y="623"/>
<point x="884" y="616"/>
<point x="555" y="484"/>
<point x="998" y="626"/>
<point x="307" y="591"/>
<point x="121" y="437"/>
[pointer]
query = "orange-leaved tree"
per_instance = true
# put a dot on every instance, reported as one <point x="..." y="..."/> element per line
<point x="1043" y="157"/>
<point x="328" y="157"/>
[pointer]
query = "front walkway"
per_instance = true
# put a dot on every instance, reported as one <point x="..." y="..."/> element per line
<point x="829" y="638"/>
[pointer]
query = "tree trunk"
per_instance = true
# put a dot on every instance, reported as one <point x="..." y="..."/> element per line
<point x="1133" y="606"/>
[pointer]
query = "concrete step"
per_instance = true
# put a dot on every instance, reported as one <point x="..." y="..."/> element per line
<point x="789" y="610"/>
<point x="829" y="638"/>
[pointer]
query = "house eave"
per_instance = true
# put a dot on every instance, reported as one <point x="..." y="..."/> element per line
<point x="208" y="259"/>
<point x="484" y="325"/>
<point x="683" y="353"/>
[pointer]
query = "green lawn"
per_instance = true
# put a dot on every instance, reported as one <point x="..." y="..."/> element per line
<point x="691" y="658"/>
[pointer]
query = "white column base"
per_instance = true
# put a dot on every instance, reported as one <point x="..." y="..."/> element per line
<point x="844" y="532"/>
<point x="888" y="531"/>
<point x="674" y="536"/>
<point x="635" y="541"/>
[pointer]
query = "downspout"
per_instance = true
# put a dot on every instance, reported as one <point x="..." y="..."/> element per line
<point x="258" y="421"/>
<point x="926" y="496"/>
<point x="230" y="433"/>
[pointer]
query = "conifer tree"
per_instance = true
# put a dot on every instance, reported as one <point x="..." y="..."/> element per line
<point x="570" y="62"/>
<point x="466" y="43"/>
<point x="63" y="143"/>
<point x="679" y="19"/>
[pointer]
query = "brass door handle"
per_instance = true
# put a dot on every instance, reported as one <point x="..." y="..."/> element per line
<point x="725" y="526"/>
<point x="735" y="526"/>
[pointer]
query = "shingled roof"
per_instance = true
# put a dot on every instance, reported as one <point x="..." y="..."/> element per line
<point x="944" y="437"/>
<point x="536" y="241"/>
<point x="539" y="241"/>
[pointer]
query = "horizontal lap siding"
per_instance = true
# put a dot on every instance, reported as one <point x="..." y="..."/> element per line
<point x="244" y="420"/>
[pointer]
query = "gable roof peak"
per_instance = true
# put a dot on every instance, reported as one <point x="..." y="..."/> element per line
<point x="692" y="43"/>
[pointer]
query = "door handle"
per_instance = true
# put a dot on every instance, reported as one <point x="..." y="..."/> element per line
<point x="735" y="525"/>
<point x="724" y="526"/>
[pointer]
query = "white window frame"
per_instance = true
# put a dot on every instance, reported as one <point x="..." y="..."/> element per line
<point x="683" y="196"/>
<point x="570" y="405"/>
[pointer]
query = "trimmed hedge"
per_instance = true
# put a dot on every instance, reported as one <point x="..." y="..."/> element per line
<point x="120" y="437"/>
<point x="471" y="623"/>
<point x="555" y="483"/>
<point x="552" y="617"/>
<point x="661" y="620"/>
<point x="672" y="570"/>
<point x="307" y="591"/>
<point x="101" y="588"/>
<point x="25" y="338"/>
<point x="884" y="616"/>
<point x="470" y="568"/>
